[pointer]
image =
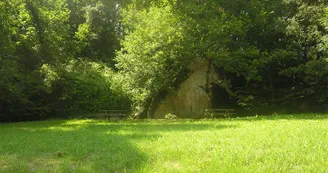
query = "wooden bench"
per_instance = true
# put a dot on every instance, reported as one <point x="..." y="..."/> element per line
<point x="116" y="114"/>
<point x="214" y="113"/>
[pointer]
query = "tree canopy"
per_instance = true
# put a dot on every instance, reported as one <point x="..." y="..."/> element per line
<point x="64" y="56"/>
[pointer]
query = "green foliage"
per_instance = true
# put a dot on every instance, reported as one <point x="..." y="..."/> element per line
<point x="45" y="66"/>
<point x="82" y="86"/>
<point x="268" y="52"/>
<point x="97" y="37"/>
<point x="153" y="57"/>
<point x="59" y="56"/>
<point x="21" y="93"/>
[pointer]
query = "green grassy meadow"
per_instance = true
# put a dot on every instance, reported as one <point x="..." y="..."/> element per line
<point x="288" y="143"/>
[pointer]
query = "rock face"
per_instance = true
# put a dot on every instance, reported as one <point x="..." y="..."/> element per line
<point x="193" y="95"/>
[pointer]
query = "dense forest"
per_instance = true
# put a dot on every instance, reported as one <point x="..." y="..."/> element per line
<point x="62" y="57"/>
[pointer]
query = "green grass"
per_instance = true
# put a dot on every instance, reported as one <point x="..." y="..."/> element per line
<point x="287" y="143"/>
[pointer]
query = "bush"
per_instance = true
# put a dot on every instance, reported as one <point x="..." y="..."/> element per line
<point x="82" y="86"/>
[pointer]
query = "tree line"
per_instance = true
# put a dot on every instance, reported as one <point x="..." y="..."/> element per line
<point x="68" y="56"/>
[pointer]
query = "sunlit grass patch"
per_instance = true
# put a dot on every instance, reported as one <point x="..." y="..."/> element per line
<point x="281" y="143"/>
<point x="78" y="122"/>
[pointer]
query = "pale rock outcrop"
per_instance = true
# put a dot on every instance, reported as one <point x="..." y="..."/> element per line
<point x="193" y="95"/>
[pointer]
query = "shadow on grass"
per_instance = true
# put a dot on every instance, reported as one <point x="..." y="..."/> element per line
<point x="84" y="145"/>
<point x="67" y="150"/>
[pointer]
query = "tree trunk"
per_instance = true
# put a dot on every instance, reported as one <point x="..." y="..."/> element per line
<point x="45" y="50"/>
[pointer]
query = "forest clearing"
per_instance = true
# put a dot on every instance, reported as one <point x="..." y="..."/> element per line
<point x="163" y="86"/>
<point x="280" y="143"/>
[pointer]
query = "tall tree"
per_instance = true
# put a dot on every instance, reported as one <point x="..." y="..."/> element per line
<point x="153" y="58"/>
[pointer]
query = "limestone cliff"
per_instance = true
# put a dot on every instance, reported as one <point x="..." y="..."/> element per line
<point x="193" y="95"/>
